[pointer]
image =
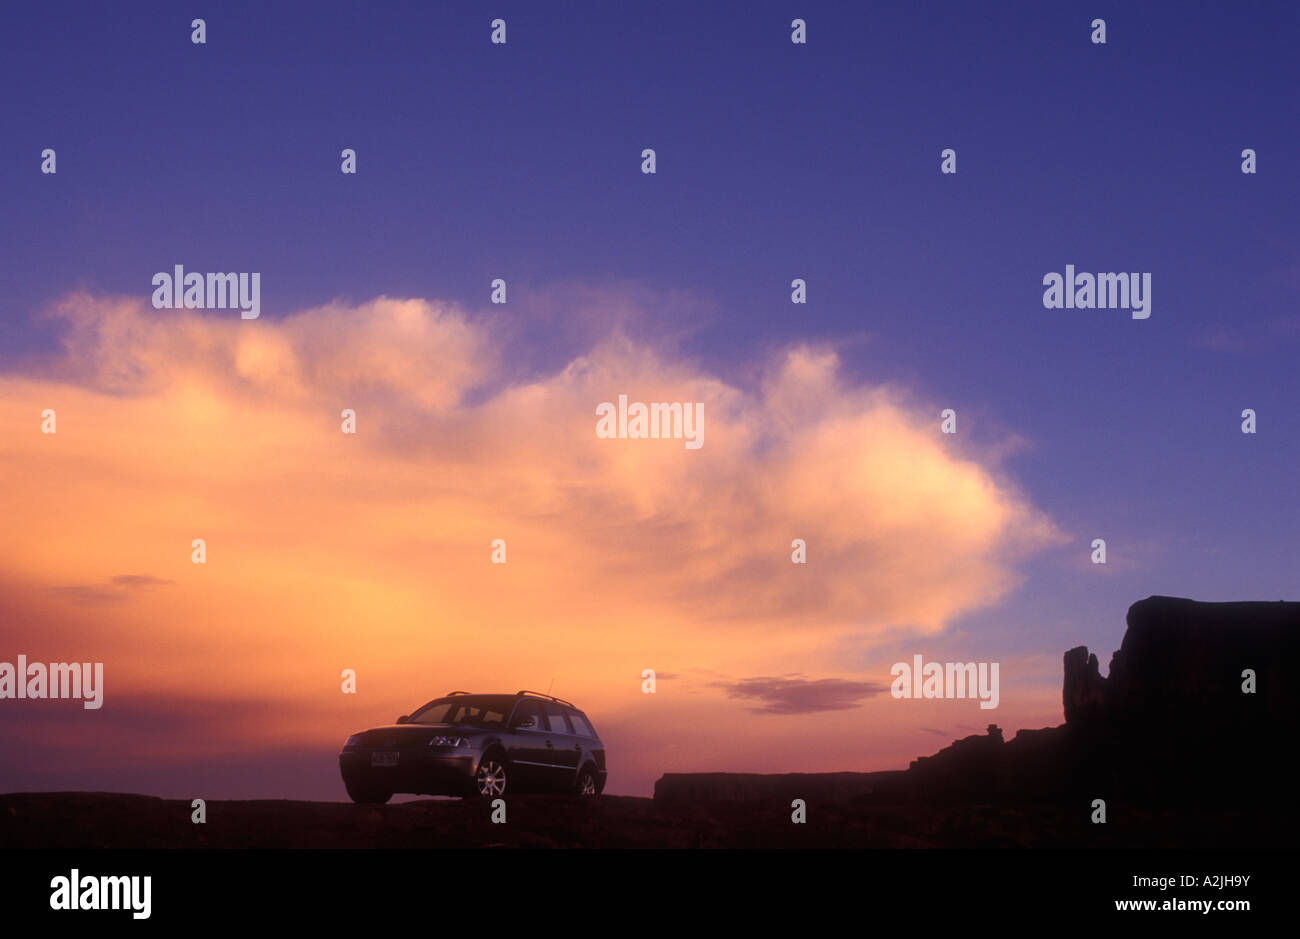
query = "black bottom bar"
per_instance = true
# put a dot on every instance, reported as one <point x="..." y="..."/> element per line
<point x="382" y="890"/>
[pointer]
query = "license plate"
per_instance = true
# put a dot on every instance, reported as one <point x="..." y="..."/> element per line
<point x="384" y="758"/>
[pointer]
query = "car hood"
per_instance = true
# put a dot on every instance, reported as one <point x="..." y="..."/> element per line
<point x="398" y="735"/>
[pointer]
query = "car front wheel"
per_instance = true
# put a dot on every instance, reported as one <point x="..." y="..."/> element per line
<point x="490" y="778"/>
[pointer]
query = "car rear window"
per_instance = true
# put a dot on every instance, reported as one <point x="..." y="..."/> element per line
<point x="556" y="718"/>
<point x="580" y="725"/>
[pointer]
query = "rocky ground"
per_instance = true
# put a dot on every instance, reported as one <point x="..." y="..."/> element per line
<point x="79" y="820"/>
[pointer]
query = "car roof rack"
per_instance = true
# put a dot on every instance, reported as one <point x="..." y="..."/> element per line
<point x="450" y="693"/>
<point x="548" y="697"/>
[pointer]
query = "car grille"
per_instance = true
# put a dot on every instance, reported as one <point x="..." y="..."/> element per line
<point x="394" y="739"/>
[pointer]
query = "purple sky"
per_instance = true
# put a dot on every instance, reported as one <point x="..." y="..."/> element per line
<point x="775" y="161"/>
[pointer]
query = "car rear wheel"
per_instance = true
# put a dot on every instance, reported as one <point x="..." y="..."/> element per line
<point x="586" y="786"/>
<point x="364" y="795"/>
<point x="490" y="778"/>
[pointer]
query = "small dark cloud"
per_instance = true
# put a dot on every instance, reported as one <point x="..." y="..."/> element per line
<point x="115" y="591"/>
<point x="139" y="581"/>
<point x="666" y="676"/>
<point x="797" y="695"/>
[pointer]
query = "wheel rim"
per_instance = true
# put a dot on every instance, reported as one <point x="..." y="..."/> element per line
<point x="588" y="784"/>
<point x="491" y="778"/>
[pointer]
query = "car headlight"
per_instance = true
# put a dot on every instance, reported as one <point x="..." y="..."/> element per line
<point x="441" y="741"/>
<point x="352" y="741"/>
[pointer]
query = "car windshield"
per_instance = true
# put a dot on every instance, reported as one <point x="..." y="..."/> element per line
<point x="474" y="710"/>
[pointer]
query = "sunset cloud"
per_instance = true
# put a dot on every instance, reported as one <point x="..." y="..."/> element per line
<point x="372" y="551"/>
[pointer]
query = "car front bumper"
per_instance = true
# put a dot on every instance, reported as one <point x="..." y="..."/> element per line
<point x="422" y="771"/>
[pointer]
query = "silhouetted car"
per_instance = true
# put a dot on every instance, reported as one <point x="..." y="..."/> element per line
<point x="484" y="745"/>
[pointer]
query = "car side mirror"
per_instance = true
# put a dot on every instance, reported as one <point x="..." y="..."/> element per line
<point x="404" y="719"/>
<point x="526" y="721"/>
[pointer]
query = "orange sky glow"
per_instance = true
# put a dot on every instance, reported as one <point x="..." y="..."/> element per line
<point x="372" y="551"/>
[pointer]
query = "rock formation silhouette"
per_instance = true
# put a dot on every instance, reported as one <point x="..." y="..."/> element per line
<point x="1196" y="707"/>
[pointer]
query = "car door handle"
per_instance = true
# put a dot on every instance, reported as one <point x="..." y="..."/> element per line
<point x="550" y="745"/>
<point x="577" y="746"/>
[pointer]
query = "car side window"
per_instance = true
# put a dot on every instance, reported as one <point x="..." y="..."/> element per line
<point x="529" y="709"/>
<point x="556" y="717"/>
<point x="580" y="725"/>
